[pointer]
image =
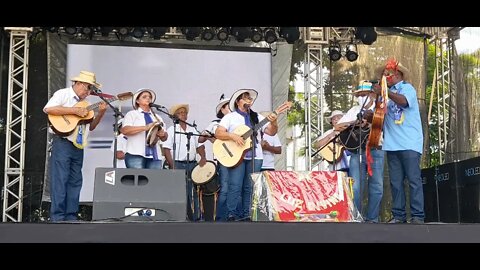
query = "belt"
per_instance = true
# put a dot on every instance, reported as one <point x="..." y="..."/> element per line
<point x="185" y="161"/>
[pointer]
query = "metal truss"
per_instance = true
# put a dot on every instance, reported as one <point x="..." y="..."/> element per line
<point x="446" y="91"/>
<point x="16" y="123"/>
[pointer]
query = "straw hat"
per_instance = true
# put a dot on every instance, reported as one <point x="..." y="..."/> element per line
<point x="220" y="105"/>
<point x="334" y="113"/>
<point x="253" y="94"/>
<point x="398" y="66"/>
<point x="175" y="108"/>
<point x="140" y="91"/>
<point x="87" y="77"/>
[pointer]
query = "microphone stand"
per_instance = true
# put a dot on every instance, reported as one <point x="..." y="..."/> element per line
<point x="117" y="115"/>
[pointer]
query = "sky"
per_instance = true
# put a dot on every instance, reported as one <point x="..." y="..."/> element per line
<point x="469" y="40"/>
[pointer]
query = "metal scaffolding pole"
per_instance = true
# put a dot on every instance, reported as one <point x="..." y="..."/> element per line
<point x="16" y="123"/>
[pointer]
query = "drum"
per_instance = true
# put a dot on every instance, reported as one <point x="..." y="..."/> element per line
<point x="152" y="138"/>
<point x="206" y="178"/>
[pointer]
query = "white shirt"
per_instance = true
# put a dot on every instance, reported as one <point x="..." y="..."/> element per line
<point x="121" y="146"/>
<point x="66" y="97"/>
<point x="181" y="143"/>
<point x="269" y="157"/>
<point x="232" y="120"/>
<point x="136" y="143"/>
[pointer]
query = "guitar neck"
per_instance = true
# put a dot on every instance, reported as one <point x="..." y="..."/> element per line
<point x="256" y="127"/>
<point x="95" y="105"/>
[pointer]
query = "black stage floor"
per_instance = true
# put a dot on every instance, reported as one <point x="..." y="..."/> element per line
<point x="237" y="232"/>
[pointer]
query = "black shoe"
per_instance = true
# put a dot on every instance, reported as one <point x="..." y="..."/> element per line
<point x="231" y="218"/>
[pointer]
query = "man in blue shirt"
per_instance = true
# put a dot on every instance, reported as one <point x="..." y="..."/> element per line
<point x="403" y="141"/>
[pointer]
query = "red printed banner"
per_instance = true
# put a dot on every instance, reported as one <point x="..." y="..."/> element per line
<point x="301" y="196"/>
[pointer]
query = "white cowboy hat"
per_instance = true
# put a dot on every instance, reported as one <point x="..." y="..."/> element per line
<point x="87" y="77"/>
<point x="253" y="94"/>
<point x="334" y="113"/>
<point x="220" y="105"/>
<point x="406" y="73"/>
<point x="141" y="90"/>
<point x="175" y="108"/>
<point x="363" y="86"/>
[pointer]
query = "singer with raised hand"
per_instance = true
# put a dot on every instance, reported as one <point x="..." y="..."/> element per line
<point x="239" y="185"/>
<point x="66" y="158"/>
<point x="142" y="126"/>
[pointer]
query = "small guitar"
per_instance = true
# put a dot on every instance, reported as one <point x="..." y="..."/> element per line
<point x="229" y="153"/>
<point x="64" y="125"/>
<point x="378" y="116"/>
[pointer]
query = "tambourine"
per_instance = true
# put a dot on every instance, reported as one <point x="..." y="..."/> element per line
<point x="152" y="137"/>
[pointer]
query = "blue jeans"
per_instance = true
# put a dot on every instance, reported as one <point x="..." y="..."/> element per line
<point x="66" y="179"/>
<point x="375" y="182"/>
<point x="239" y="194"/>
<point x="139" y="162"/>
<point x="222" y="194"/>
<point x="403" y="164"/>
<point x="193" y="204"/>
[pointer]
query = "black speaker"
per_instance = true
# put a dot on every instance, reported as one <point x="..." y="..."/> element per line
<point x="139" y="195"/>
<point x="468" y="172"/>
<point x="448" y="198"/>
<point x="430" y="195"/>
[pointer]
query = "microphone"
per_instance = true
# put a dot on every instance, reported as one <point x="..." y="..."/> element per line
<point x="374" y="81"/>
<point x="153" y="105"/>
<point x="95" y="89"/>
<point x="246" y="106"/>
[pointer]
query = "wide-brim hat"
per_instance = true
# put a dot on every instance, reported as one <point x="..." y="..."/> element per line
<point x="87" y="77"/>
<point x="364" y="86"/>
<point x="406" y="73"/>
<point x="141" y="90"/>
<point x="175" y="108"/>
<point x="253" y="94"/>
<point x="334" y="113"/>
<point x="220" y="105"/>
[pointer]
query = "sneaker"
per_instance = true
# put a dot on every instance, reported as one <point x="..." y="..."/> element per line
<point x="394" y="220"/>
<point x="231" y="218"/>
<point x="416" y="221"/>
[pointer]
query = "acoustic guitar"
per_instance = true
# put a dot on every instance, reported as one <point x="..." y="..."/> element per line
<point x="378" y="116"/>
<point x="328" y="153"/>
<point x="64" y="125"/>
<point x="229" y="153"/>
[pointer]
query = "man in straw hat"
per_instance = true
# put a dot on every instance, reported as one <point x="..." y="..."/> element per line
<point x="403" y="141"/>
<point x="239" y="185"/>
<point x="136" y="125"/>
<point x="221" y="110"/>
<point x="184" y="158"/>
<point x="365" y="97"/>
<point x="66" y="158"/>
<point x="328" y="136"/>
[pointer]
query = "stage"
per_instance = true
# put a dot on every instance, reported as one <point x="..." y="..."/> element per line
<point x="237" y="232"/>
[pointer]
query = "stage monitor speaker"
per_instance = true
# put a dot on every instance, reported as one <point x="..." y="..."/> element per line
<point x="430" y="195"/>
<point x="139" y="195"/>
<point x="446" y="178"/>
<point x="469" y="186"/>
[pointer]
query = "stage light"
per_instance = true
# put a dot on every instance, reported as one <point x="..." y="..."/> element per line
<point x="256" y="34"/>
<point x="351" y="52"/>
<point x="157" y="32"/>
<point x="269" y="35"/>
<point x="123" y="31"/>
<point x="105" y="31"/>
<point x="207" y="33"/>
<point x="290" y="34"/>
<point x="87" y="30"/>
<point x="138" y="32"/>
<point x="366" y="34"/>
<point x="241" y="33"/>
<point x="191" y="32"/>
<point x="71" y="30"/>
<point x="222" y="33"/>
<point x="334" y="51"/>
